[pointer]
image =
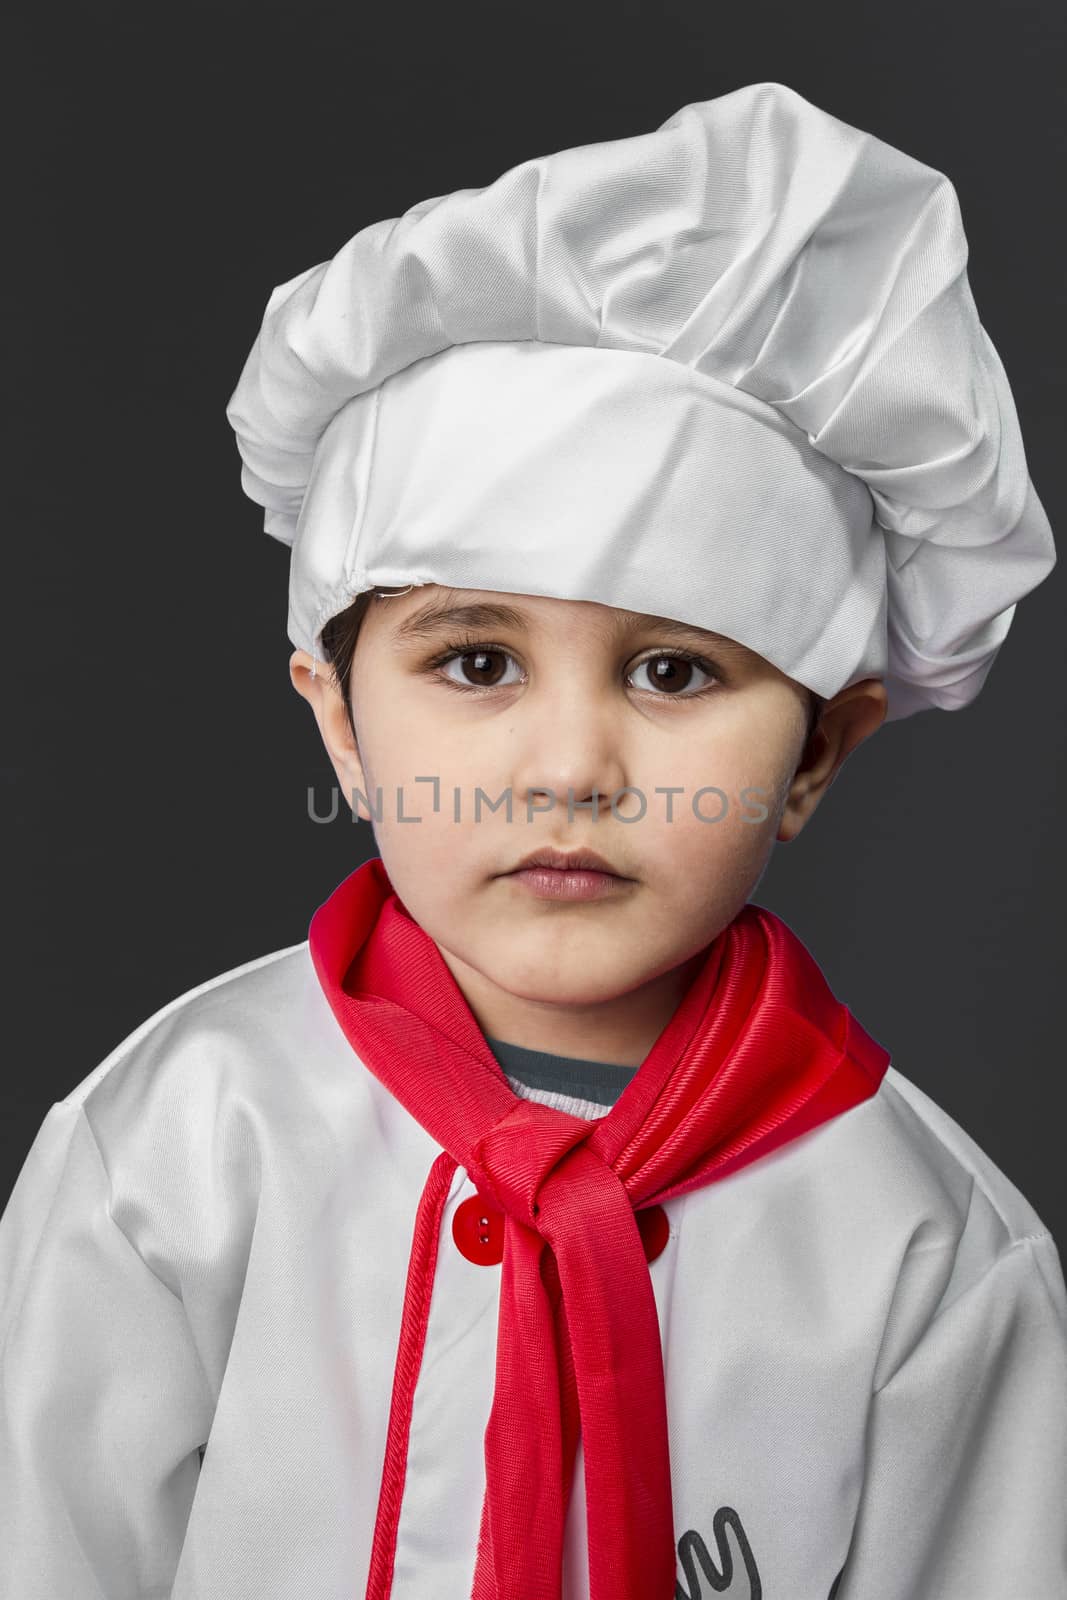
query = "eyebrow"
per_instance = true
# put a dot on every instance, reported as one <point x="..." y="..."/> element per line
<point x="438" y="614"/>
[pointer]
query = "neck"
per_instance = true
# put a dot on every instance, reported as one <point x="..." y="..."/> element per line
<point x="622" y="1030"/>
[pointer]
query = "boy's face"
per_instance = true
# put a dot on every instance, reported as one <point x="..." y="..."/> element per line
<point x="540" y="697"/>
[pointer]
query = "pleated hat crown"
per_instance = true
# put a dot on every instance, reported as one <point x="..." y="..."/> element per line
<point x="730" y="371"/>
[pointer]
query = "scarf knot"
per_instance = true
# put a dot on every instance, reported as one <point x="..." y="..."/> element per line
<point x="513" y="1162"/>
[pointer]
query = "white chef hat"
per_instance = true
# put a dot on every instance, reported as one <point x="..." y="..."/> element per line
<point x="729" y="372"/>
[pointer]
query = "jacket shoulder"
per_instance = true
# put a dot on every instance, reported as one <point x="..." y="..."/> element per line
<point x="950" y="1152"/>
<point x="227" y="1036"/>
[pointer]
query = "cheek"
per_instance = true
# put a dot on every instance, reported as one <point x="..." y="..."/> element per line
<point x="395" y="742"/>
<point x="725" y="770"/>
<point x="725" y="820"/>
<point x="710" y="837"/>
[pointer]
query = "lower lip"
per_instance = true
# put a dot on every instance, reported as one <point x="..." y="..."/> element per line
<point x="552" y="883"/>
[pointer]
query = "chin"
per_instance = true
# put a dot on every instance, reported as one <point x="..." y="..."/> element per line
<point x="545" y="985"/>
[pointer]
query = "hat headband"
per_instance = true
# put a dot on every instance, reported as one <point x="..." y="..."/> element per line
<point x="595" y="474"/>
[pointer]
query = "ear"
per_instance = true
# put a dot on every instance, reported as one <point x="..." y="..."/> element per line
<point x="846" y="720"/>
<point x="315" y="681"/>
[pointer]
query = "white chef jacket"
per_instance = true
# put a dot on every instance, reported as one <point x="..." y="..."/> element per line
<point x="202" y="1270"/>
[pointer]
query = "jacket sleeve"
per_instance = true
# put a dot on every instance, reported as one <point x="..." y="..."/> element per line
<point x="103" y="1402"/>
<point x="965" y="1489"/>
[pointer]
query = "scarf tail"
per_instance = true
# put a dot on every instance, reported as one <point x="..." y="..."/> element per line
<point x="618" y="1362"/>
<point x="422" y="1264"/>
<point x="520" y="1546"/>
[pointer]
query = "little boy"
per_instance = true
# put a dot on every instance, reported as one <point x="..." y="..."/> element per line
<point x="543" y="1226"/>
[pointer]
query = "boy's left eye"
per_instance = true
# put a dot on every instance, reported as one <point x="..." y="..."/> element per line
<point x="672" y="671"/>
<point x="670" y="678"/>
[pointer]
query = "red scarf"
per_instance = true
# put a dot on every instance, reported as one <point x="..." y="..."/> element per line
<point x="758" y="1052"/>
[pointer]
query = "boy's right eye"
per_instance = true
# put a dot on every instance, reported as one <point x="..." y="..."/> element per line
<point x="478" y="665"/>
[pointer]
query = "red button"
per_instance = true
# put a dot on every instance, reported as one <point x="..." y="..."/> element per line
<point x="655" y="1230"/>
<point x="478" y="1229"/>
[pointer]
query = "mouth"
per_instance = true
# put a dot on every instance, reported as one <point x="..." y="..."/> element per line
<point x="568" y="875"/>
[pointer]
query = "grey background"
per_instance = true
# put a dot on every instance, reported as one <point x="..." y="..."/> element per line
<point x="174" y="165"/>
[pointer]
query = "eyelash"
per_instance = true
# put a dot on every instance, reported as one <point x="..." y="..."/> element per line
<point x="462" y="647"/>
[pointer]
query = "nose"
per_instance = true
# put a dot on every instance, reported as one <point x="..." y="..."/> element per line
<point x="568" y="743"/>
